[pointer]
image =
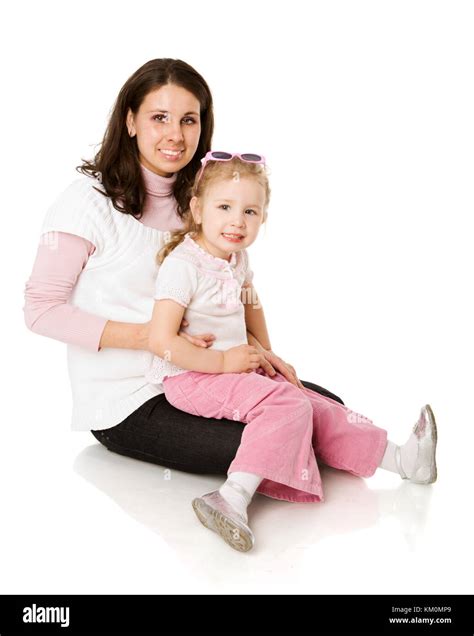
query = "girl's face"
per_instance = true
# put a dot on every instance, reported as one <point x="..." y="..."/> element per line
<point x="231" y="213"/>
<point x="168" y="127"/>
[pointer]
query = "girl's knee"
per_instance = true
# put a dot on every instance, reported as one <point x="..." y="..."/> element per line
<point x="294" y="397"/>
<point x="291" y="389"/>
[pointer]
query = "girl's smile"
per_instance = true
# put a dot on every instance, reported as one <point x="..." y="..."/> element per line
<point x="233" y="238"/>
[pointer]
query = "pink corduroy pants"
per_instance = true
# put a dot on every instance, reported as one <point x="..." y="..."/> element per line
<point x="286" y="428"/>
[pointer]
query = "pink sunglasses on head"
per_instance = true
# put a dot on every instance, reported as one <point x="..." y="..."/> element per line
<point x="216" y="155"/>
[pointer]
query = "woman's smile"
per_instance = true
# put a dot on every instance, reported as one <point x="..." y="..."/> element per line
<point x="171" y="155"/>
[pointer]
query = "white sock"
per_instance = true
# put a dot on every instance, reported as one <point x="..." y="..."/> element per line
<point x="408" y="453"/>
<point x="237" y="500"/>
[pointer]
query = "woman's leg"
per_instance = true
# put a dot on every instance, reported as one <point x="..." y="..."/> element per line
<point x="157" y="432"/>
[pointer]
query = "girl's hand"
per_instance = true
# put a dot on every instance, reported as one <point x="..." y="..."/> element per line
<point x="201" y="340"/>
<point x="241" y="359"/>
<point x="283" y="367"/>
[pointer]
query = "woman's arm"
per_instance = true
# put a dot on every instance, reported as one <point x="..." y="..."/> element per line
<point x="56" y="269"/>
<point x="124" y="335"/>
<point x="47" y="311"/>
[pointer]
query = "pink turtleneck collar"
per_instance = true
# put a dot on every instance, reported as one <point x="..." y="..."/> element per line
<point x="157" y="185"/>
<point x="160" y="208"/>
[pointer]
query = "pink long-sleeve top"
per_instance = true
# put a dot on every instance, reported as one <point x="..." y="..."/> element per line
<point x="60" y="260"/>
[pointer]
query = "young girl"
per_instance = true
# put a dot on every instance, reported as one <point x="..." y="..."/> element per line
<point x="205" y="277"/>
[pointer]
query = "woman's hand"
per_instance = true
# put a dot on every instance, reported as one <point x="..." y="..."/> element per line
<point x="271" y="363"/>
<point x="201" y="340"/>
<point x="283" y="367"/>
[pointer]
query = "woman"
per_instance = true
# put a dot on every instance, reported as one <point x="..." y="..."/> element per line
<point x="93" y="279"/>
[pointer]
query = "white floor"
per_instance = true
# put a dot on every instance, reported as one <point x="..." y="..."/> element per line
<point x="77" y="518"/>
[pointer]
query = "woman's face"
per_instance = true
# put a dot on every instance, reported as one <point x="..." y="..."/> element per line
<point x="168" y="127"/>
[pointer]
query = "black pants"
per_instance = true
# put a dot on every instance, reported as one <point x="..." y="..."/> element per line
<point x="158" y="432"/>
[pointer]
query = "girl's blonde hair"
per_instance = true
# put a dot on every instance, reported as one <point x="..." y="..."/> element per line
<point x="215" y="171"/>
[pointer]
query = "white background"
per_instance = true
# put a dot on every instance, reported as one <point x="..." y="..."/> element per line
<point x="364" y="111"/>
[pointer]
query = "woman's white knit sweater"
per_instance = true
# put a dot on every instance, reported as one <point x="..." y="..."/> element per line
<point x="118" y="283"/>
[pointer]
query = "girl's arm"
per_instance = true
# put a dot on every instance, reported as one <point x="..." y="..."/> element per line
<point x="257" y="336"/>
<point x="165" y="342"/>
<point x="254" y="316"/>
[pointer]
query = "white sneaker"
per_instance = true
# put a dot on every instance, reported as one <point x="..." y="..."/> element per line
<point x="215" y="513"/>
<point x="424" y="470"/>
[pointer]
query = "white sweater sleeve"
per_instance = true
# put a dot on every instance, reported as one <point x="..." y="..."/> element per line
<point x="79" y="210"/>
<point x="177" y="280"/>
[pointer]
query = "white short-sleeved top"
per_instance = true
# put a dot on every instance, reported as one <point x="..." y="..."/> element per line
<point x="209" y="288"/>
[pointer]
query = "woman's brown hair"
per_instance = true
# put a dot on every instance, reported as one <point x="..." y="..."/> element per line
<point x="116" y="164"/>
<point x="214" y="171"/>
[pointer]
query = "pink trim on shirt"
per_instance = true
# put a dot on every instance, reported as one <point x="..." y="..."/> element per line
<point x="59" y="263"/>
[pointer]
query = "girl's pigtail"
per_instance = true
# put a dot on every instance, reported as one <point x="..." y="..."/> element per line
<point x="177" y="237"/>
